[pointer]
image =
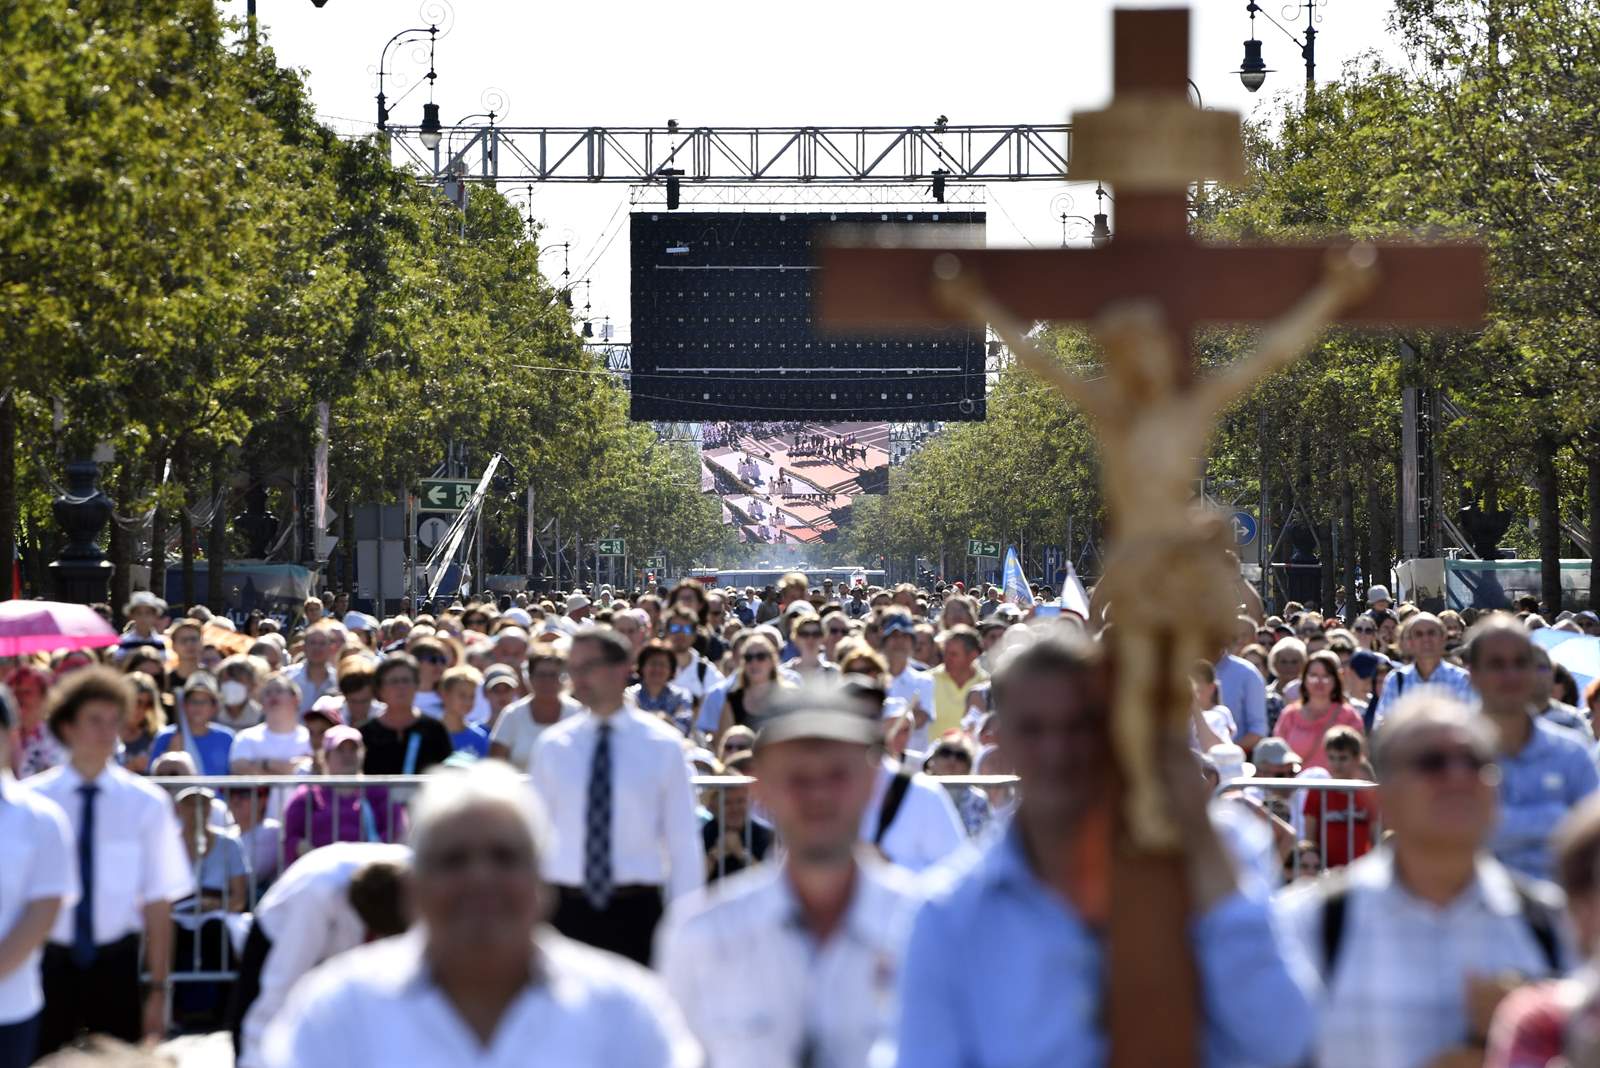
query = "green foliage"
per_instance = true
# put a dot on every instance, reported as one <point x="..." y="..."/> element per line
<point x="190" y="263"/>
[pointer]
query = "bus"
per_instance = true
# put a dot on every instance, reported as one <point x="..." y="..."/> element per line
<point x="760" y="578"/>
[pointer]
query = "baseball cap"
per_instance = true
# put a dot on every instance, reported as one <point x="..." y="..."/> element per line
<point x="194" y="791"/>
<point x="338" y="734"/>
<point x="1273" y="751"/>
<point x="898" y="625"/>
<point x="499" y="674"/>
<point x="820" y="710"/>
<point x="577" y="601"/>
<point x="1378" y="593"/>
<point x="519" y="616"/>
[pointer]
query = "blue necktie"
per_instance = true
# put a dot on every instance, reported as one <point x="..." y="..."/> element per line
<point x="597" y="845"/>
<point x="83" y="949"/>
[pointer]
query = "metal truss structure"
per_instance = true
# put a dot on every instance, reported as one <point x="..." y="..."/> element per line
<point x="817" y="195"/>
<point x="744" y="155"/>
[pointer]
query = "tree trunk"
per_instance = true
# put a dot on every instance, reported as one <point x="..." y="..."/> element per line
<point x="1592" y="462"/>
<point x="1548" y="487"/>
<point x="1377" y="533"/>
<point x="118" y="549"/>
<point x="217" y="548"/>
<point x="1347" y="545"/>
<point x="8" y="489"/>
<point x="158" y="537"/>
<point x="186" y="529"/>
<point x="1328" y="596"/>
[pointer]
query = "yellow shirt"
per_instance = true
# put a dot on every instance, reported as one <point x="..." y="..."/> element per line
<point x="950" y="699"/>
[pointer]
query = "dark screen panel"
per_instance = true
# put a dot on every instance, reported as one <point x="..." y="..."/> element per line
<point x="722" y="327"/>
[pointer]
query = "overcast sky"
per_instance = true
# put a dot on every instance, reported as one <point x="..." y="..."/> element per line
<point x="828" y="62"/>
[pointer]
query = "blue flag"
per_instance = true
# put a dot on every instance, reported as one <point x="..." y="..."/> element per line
<point x="1016" y="585"/>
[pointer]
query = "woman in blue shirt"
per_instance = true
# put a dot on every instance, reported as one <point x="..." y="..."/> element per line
<point x="654" y="692"/>
<point x="194" y="732"/>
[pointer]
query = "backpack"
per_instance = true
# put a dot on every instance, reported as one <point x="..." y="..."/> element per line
<point x="893" y="797"/>
<point x="1541" y="919"/>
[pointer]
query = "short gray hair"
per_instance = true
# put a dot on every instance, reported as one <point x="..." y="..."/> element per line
<point x="1423" y="710"/>
<point x="449" y="792"/>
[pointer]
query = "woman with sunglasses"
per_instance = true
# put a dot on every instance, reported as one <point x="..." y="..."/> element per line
<point x="141" y="724"/>
<point x="434" y="656"/>
<point x="807" y="631"/>
<point x="1365" y="629"/>
<point x="753" y="684"/>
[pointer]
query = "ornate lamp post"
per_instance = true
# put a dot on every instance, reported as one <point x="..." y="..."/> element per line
<point x="82" y="574"/>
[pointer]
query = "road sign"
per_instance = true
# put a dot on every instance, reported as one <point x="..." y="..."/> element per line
<point x="655" y="563"/>
<point x="431" y="530"/>
<point x="1244" y="528"/>
<point x="445" y="494"/>
<point x="983" y="548"/>
<point x="613" y="547"/>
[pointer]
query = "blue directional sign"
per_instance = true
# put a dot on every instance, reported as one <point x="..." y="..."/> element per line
<point x="1244" y="528"/>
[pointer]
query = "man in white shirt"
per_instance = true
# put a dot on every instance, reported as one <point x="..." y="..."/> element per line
<point x="38" y="877"/>
<point x="1419" y="940"/>
<point x="482" y="980"/>
<point x="796" y="962"/>
<point x="329" y="901"/>
<point x="618" y="791"/>
<point x="131" y="866"/>
<point x="696" y="675"/>
<point x="906" y="682"/>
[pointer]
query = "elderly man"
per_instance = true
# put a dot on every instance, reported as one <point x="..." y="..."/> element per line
<point x="1006" y="964"/>
<point x="1419" y="940"/>
<point x="317" y="674"/>
<point x="1544" y="770"/>
<point x="1422" y="639"/>
<point x="579" y="607"/>
<point x="482" y="981"/>
<point x="794" y="962"/>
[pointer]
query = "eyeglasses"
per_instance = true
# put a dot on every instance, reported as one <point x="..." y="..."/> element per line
<point x="1435" y="762"/>
<point x="809" y="632"/>
<point x="433" y="658"/>
<point x="679" y="628"/>
<point x="839" y="631"/>
<point x="751" y="658"/>
<point x="1366" y="630"/>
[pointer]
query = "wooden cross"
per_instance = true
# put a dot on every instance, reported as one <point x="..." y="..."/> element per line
<point x="1142" y="297"/>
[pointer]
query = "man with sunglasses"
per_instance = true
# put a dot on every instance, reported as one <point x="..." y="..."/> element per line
<point x="482" y="979"/>
<point x="1418" y="941"/>
<point x="696" y="675"/>
<point x="906" y="682"/>
<point x="1544" y="769"/>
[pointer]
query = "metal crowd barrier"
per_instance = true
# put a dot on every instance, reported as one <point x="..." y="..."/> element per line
<point x="1286" y="799"/>
<point x="210" y="926"/>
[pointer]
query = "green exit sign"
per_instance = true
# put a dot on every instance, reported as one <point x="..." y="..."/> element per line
<point x="445" y="494"/>
<point x="613" y="547"/>
<point x="983" y="548"/>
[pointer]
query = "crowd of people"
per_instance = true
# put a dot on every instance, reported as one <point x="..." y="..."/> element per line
<point x="908" y="789"/>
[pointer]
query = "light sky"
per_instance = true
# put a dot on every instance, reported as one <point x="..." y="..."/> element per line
<point x="828" y="62"/>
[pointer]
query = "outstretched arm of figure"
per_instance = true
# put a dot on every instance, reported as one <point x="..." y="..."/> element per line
<point x="1350" y="275"/>
<point x="968" y="295"/>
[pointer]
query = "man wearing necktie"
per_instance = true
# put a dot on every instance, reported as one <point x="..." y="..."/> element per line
<point x="131" y="867"/>
<point x="619" y="793"/>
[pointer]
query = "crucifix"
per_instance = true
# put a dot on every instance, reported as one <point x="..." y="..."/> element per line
<point x="1171" y="578"/>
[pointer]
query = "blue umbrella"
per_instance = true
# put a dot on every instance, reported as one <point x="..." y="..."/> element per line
<point x="1578" y="653"/>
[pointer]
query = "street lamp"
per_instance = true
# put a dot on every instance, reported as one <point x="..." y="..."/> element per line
<point x="431" y="131"/>
<point x="1100" y="229"/>
<point x="1254" y="70"/>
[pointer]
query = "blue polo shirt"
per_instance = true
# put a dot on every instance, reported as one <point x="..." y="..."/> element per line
<point x="1539" y="786"/>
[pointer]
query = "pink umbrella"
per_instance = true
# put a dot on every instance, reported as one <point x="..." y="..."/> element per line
<point x="46" y="626"/>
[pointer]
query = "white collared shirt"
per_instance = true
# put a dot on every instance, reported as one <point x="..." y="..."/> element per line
<point x="1398" y="993"/>
<point x="655" y="836"/>
<point x="517" y="730"/>
<point x="138" y="849"/>
<point x="378" y="1005"/>
<point x="925" y="830"/>
<point x="915" y="688"/>
<point x="757" y="988"/>
<point x="308" y="918"/>
<point x="38" y="861"/>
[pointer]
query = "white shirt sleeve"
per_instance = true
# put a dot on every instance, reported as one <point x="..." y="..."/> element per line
<point x="680" y="826"/>
<point x="649" y="1031"/>
<point x="167" y="874"/>
<point x="677" y="959"/>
